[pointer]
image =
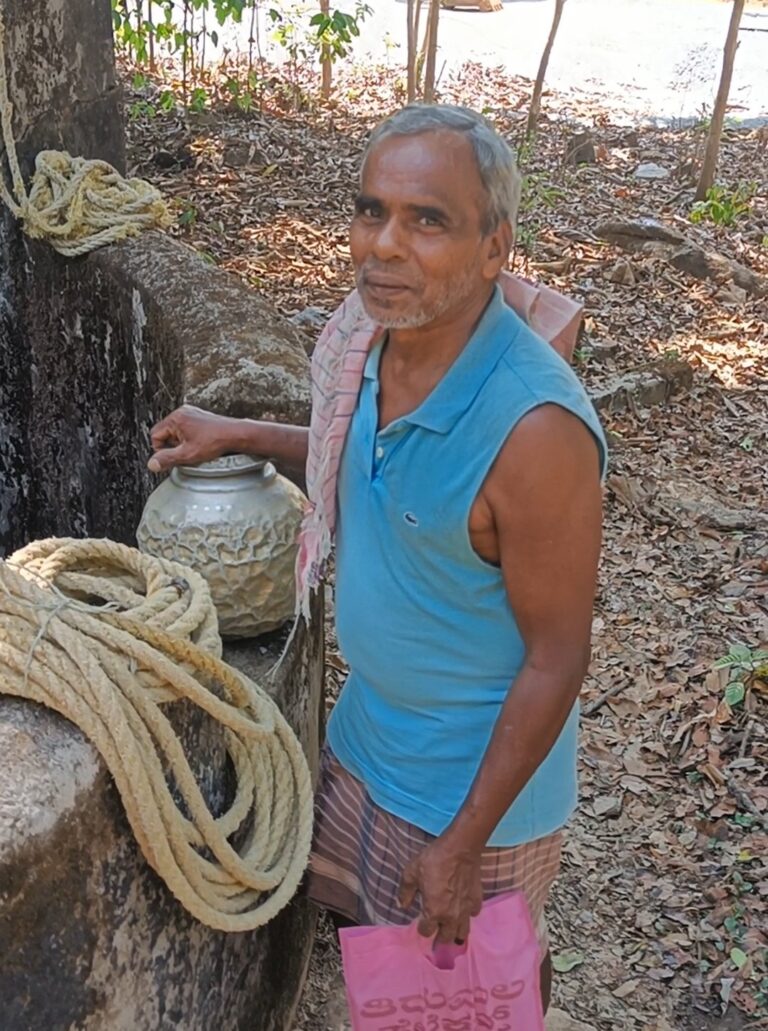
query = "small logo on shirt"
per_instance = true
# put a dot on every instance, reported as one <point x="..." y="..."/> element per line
<point x="411" y="519"/>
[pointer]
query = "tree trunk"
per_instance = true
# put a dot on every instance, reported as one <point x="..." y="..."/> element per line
<point x="251" y="41"/>
<point x="413" y="46"/>
<point x="712" y="151"/>
<point x="431" y="51"/>
<point x="538" y="86"/>
<point x="416" y="50"/>
<point x="151" y="31"/>
<point x="185" y="54"/>
<point x="325" y="58"/>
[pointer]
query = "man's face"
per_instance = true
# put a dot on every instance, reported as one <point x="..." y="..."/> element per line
<point x="417" y="238"/>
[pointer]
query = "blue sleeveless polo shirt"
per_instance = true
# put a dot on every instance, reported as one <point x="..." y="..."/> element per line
<point x="424" y="623"/>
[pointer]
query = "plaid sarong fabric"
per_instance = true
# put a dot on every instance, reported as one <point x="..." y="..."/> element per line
<point x="359" y="853"/>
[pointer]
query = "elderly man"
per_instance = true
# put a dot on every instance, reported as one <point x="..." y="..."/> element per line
<point x="467" y="539"/>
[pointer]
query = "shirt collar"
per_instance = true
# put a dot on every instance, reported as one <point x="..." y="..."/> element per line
<point x="371" y="370"/>
<point x="453" y="395"/>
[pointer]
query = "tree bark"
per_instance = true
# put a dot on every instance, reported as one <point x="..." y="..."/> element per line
<point x="431" y="51"/>
<point x="325" y="58"/>
<point x="151" y="32"/>
<point x="413" y="46"/>
<point x="712" y="150"/>
<point x="538" y="86"/>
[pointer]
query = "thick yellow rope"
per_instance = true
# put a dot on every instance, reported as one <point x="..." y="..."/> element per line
<point x="108" y="637"/>
<point x="75" y="204"/>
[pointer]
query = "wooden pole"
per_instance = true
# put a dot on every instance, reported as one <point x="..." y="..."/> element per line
<point x="712" y="151"/>
<point x="431" y="57"/>
<point x="412" y="50"/>
<point x="538" y="86"/>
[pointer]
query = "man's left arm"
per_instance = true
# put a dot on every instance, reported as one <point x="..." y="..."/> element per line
<point x="545" y="498"/>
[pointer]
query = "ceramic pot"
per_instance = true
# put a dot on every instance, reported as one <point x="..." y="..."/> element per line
<point x="235" y="521"/>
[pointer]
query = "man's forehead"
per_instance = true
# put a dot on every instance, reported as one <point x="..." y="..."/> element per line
<point x="440" y="163"/>
<point x="446" y="144"/>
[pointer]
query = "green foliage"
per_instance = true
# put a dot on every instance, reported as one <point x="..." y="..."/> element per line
<point x="177" y="30"/>
<point x="538" y="194"/>
<point x="324" y="36"/>
<point x="198" y="100"/>
<point x="142" y="109"/>
<point x="335" y="32"/>
<point x="722" y="206"/>
<point x="745" y="665"/>
<point x="188" y="216"/>
<point x="740" y="657"/>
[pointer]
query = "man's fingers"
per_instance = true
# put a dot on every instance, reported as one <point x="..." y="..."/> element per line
<point x="462" y="931"/>
<point x="447" y="932"/>
<point x="164" y="433"/>
<point x="409" y="885"/>
<point x="427" y="927"/>
<point x="167" y="458"/>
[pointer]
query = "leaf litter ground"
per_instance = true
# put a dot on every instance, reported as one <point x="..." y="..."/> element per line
<point x="659" y="918"/>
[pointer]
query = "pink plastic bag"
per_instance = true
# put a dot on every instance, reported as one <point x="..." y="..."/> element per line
<point x="397" y="982"/>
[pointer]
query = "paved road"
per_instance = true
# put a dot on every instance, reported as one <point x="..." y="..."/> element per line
<point x="645" y="58"/>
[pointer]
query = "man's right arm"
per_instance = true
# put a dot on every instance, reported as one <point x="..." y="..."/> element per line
<point x="191" y="435"/>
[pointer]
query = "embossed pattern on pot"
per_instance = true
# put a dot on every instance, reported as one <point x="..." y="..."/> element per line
<point x="235" y="521"/>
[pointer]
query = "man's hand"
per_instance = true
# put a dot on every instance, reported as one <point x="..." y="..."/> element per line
<point x="446" y="875"/>
<point x="189" y="436"/>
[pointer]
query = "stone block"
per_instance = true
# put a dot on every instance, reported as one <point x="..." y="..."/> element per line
<point x="77" y="384"/>
<point x="580" y="149"/>
<point x="91" y="938"/>
<point x="644" y="388"/>
<point x="241" y="357"/>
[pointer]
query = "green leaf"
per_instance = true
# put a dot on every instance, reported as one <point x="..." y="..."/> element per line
<point x="739" y="653"/>
<point x="734" y="693"/>
<point x="738" y="958"/>
<point x="567" y="960"/>
<point x="188" y="217"/>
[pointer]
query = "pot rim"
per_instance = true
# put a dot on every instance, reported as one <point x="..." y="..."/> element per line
<point x="221" y="468"/>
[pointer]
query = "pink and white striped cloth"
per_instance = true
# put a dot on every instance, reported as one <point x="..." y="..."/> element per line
<point x="338" y="363"/>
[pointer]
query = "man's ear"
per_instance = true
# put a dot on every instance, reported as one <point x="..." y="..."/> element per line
<point x="498" y="246"/>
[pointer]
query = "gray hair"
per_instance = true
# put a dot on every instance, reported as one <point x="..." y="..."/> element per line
<point x="495" y="158"/>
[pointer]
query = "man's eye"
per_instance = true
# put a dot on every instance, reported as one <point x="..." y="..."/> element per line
<point x="430" y="221"/>
<point x="369" y="211"/>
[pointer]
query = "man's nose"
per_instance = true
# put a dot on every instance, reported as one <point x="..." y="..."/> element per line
<point x="389" y="242"/>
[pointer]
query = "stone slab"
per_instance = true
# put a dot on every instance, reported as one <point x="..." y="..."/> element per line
<point x="90" y="937"/>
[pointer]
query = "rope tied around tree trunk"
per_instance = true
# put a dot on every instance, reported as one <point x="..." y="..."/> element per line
<point x="107" y="637"/>
<point x="75" y="204"/>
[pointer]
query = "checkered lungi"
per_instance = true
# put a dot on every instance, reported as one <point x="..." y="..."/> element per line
<point x="359" y="853"/>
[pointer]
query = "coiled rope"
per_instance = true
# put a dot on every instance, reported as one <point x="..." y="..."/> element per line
<point x="108" y="637"/>
<point x="75" y="204"/>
